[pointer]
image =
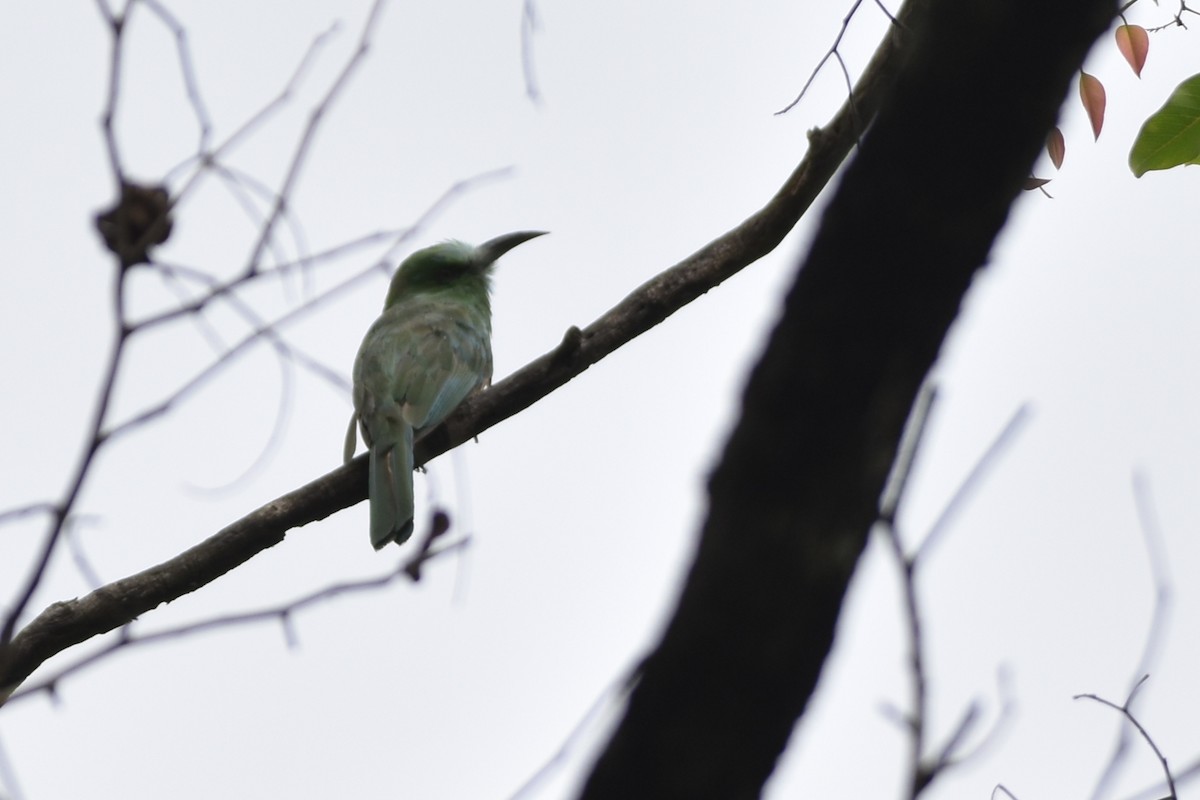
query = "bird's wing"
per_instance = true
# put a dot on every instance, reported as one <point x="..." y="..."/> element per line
<point x="418" y="364"/>
<point x="448" y="361"/>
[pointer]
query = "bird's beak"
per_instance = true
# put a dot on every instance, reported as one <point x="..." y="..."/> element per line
<point x="491" y="250"/>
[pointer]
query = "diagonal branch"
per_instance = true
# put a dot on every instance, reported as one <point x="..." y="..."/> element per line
<point x="409" y="567"/>
<point x="68" y="623"/>
<point x="309" y="135"/>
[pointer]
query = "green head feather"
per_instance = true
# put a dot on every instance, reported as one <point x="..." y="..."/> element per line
<point x="453" y="265"/>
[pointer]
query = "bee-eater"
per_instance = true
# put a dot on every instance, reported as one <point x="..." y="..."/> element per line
<point x="430" y="348"/>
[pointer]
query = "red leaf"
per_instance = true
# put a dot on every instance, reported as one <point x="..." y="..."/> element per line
<point x="1134" y="44"/>
<point x="1056" y="146"/>
<point x="1091" y="92"/>
<point x="1032" y="183"/>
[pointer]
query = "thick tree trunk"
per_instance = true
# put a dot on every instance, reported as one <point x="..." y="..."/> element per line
<point x="797" y="490"/>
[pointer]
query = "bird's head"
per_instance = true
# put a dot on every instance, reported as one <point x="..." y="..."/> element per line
<point x="453" y="264"/>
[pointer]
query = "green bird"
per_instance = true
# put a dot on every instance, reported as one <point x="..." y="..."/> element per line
<point x="428" y="351"/>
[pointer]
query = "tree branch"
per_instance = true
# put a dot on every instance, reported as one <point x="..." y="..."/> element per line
<point x="409" y="567"/>
<point x="68" y="623"/>
<point x="140" y="219"/>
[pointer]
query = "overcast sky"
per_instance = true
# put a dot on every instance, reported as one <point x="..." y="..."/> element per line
<point x="654" y="135"/>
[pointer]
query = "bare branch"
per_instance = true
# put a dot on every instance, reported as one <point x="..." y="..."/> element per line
<point x="116" y="27"/>
<point x="915" y="720"/>
<point x="283" y="613"/>
<point x="947" y="756"/>
<point x="8" y="776"/>
<point x="1156" y="552"/>
<point x="251" y="317"/>
<point x="240" y="186"/>
<point x="923" y="771"/>
<point x="287" y="382"/>
<point x="974" y="479"/>
<point x="65" y="624"/>
<point x="95" y="440"/>
<point x="210" y="372"/>
<point x="13" y="514"/>
<point x="206" y="161"/>
<point x="529" y="26"/>
<point x="309" y="135"/>
<point x="952" y="752"/>
<point x="98" y="433"/>
<point x="186" y="69"/>
<point x="82" y="562"/>
<point x="1124" y="708"/>
<point x="615" y="691"/>
<point x="834" y="53"/>
<point x="439" y="525"/>
<point x="1153" y="539"/>
<point x="1187" y="773"/>
<point x="94" y="437"/>
<point x="105" y="11"/>
<point x="203" y="159"/>
<point x="910" y="445"/>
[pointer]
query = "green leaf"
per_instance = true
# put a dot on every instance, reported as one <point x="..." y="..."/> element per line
<point x="1171" y="136"/>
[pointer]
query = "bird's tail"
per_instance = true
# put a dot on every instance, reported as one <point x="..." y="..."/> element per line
<point x="391" y="490"/>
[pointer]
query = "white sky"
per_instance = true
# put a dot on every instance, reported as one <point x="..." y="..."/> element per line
<point x="656" y="135"/>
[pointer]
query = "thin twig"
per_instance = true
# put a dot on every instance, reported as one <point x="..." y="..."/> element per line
<point x="240" y="185"/>
<point x="116" y="27"/>
<point x="287" y="357"/>
<point x="1124" y="709"/>
<point x="8" y="776"/>
<point x="290" y="351"/>
<point x="834" y="53"/>
<point x="206" y="160"/>
<point x="924" y="770"/>
<point x="906" y="455"/>
<point x="974" y="479"/>
<point x="287" y="384"/>
<point x="529" y="26"/>
<point x="20" y="512"/>
<point x="1007" y="710"/>
<point x="1182" y="775"/>
<point x="615" y="691"/>
<point x="283" y="613"/>
<point x="79" y="556"/>
<point x="309" y="135"/>
<point x="1153" y="540"/>
<point x="202" y="158"/>
<point x="187" y="70"/>
<point x="62" y="510"/>
<point x="95" y="440"/>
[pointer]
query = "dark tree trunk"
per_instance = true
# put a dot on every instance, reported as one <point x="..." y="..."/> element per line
<point x="797" y="490"/>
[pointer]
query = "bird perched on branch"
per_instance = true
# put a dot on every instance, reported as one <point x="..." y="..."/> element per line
<point x="430" y="348"/>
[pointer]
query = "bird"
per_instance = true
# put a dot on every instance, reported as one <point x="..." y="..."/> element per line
<point x="429" y="350"/>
